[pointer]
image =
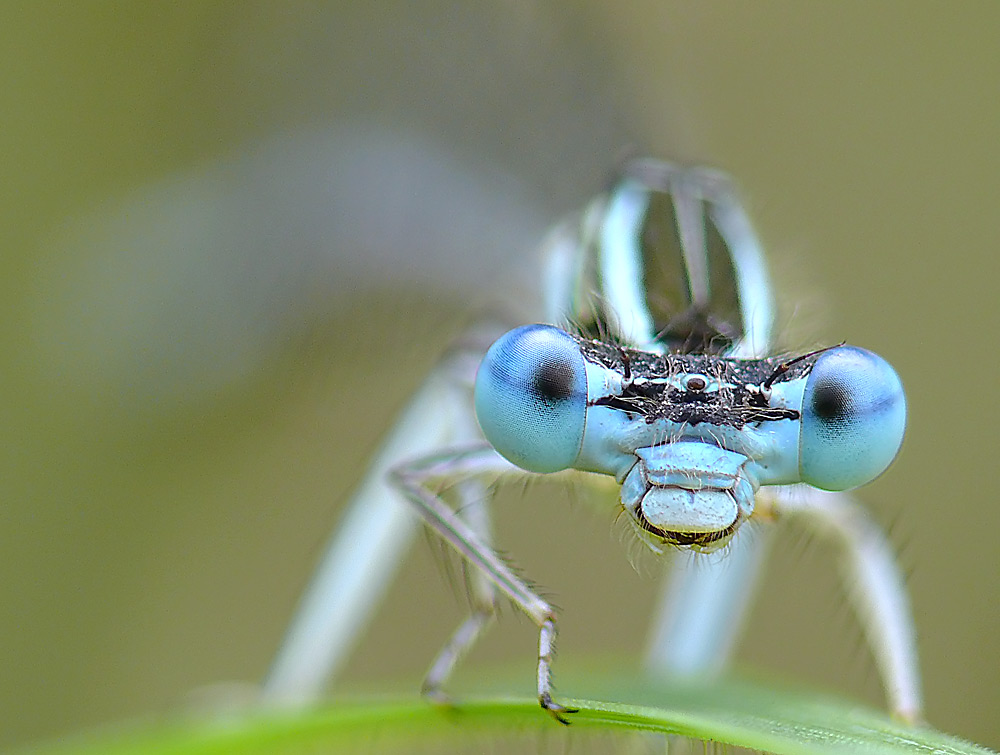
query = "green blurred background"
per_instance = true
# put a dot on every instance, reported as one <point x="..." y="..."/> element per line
<point x="236" y="234"/>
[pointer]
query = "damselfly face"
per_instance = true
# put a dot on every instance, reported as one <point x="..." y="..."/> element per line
<point x="691" y="437"/>
<point x="655" y="369"/>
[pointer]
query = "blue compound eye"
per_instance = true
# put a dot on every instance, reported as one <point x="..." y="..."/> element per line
<point x="531" y="398"/>
<point x="853" y="417"/>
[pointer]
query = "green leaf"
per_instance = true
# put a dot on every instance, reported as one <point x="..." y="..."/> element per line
<point x="738" y="714"/>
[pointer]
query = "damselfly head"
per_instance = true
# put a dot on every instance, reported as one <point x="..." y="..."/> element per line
<point x="691" y="437"/>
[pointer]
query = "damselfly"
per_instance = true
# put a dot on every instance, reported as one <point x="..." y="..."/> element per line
<point x="657" y="370"/>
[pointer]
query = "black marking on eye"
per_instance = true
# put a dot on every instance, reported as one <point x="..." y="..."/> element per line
<point x="832" y="402"/>
<point x="552" y="381"/>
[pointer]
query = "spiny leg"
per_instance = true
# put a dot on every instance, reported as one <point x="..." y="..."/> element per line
<point x="457" y="646"/>
<point x="874" y="585"/>
<point x="413" y="480"/>
<point x="473" y="499"/>
<point x="546" y="652"/>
